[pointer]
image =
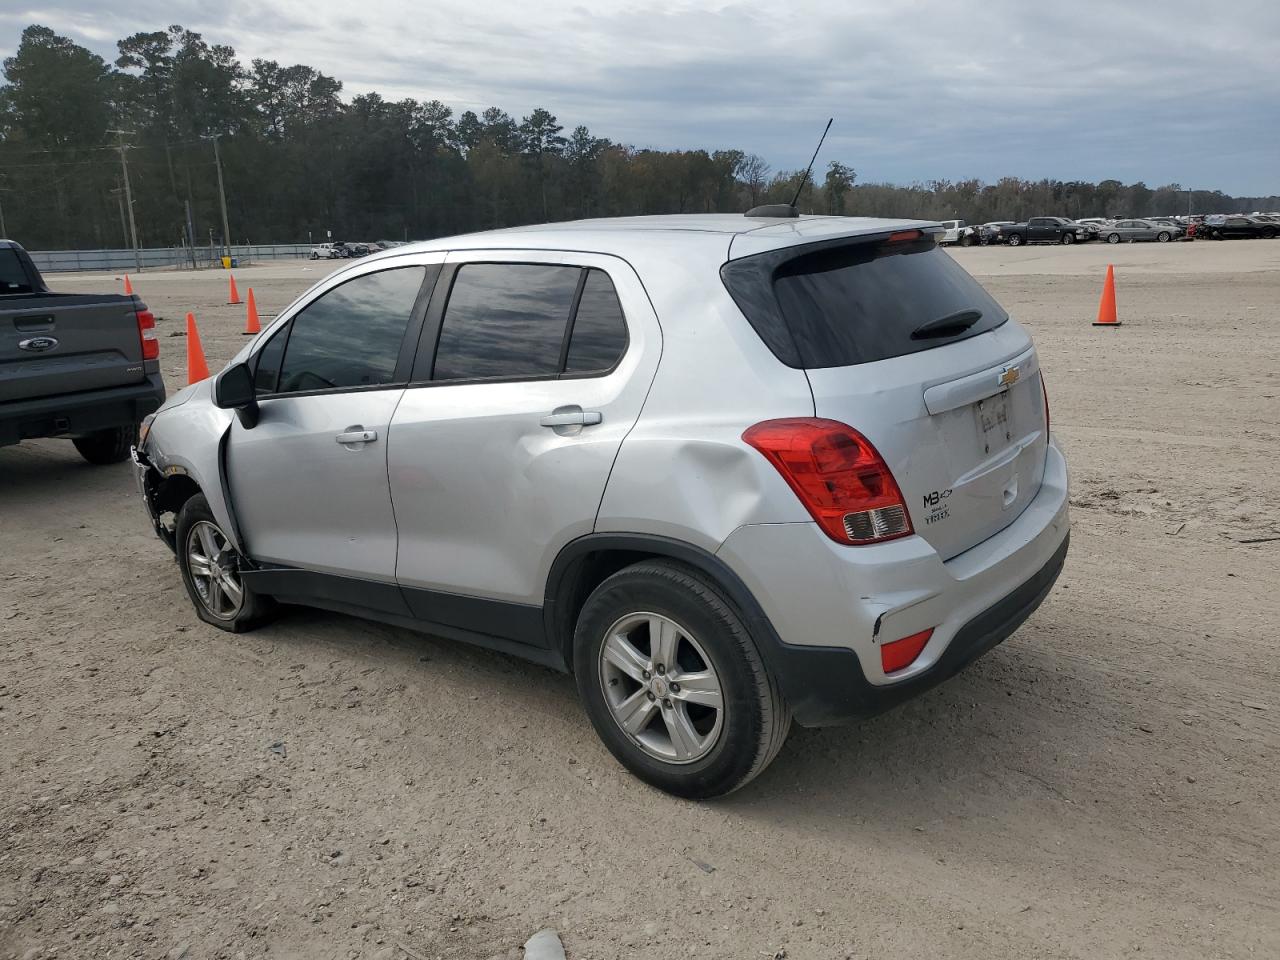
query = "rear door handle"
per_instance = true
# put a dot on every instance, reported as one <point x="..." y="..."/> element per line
<point x="357" y="436"/>
<point x="573" y="418"/>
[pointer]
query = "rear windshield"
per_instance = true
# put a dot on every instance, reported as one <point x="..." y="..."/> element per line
<point x="860" y="302"/>
<point x="13" y="278"/>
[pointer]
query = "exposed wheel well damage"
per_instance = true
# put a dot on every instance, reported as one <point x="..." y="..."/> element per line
<point x="167" y="495"/>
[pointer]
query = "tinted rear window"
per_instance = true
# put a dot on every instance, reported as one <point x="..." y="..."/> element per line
<point x="856" y="302"/>
<point x="13" y="278"/>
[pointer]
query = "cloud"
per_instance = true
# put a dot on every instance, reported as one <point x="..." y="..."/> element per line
<point x="921" y="89"/>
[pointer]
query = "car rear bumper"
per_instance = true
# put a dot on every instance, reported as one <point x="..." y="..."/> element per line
<point x="74" y="414"/>
<point x="829" y="608"/>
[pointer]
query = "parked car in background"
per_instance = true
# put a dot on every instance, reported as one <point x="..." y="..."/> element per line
<point x="858" y="499"/>
<point x="990" y="232"/>
<point x="1238" y="227"/>
<point x="328" y="251"/>
<point x="1044" y="230"/>
<point x="355" y="249"/>
<point x="1133" y="230"/>
<point x="958" y="232"/>
<point x="84" y="366"/>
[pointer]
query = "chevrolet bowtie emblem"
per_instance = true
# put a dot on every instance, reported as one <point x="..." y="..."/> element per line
<point x="1009" y="377"/>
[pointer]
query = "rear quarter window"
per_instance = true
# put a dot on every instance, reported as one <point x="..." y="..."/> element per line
<point x="13" y="278"/>
<point x="856" y="302"/>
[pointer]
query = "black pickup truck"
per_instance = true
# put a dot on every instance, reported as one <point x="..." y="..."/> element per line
<point x="1044" y="230"/>
<point x="81" y="366"/>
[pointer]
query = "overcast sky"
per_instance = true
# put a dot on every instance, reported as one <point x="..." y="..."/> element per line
<point x="1183" y="91"/>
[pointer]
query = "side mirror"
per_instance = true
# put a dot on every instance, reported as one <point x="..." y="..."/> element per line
<point x="233" y="390"/>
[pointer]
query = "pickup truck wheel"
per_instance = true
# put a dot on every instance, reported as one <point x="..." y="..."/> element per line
<point x="673" y="683"/>
<point x="1113" y="238"/>
<point x="1068" y="239"/>
<point x="107" y="446"/>
<point x="1163" y="236"/>
<point x="966" y="241"/>
<point x="1015" y="239"/>
<point x="210" y="567"/>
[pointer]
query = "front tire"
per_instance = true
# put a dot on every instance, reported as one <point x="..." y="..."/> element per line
<point x="1163" y="236"/>
<point x="673" y="683"/>
<point x="210" y="567"/>
<point x="1015" y="240"/>
<point x="107" y="446"/>
<point x="1113" y="238"/>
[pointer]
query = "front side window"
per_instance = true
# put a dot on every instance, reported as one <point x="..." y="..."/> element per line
<point x="351" y="336"/>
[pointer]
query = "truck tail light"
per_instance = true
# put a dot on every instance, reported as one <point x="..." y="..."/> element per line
<point x="838" y="475"/>
<point x="147" y="333"/>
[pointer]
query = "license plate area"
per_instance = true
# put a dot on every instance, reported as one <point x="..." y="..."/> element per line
<point x="994" y="429"/>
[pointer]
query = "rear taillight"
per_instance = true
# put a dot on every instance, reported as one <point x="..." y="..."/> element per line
<point x="838" y="475"/>
<point x="147" y="333"/>
<point x="1044" y="392"/>
<point x="903" y="653"/>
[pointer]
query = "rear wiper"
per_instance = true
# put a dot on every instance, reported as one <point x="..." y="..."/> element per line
<point x="948" y="326"/>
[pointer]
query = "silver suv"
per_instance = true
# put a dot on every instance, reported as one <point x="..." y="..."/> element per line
<point x="729" y="471"/>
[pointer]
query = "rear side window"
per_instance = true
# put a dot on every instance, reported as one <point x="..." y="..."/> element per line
<point x="505" y="320"/>
<point x="859" y="302"/>
<point x="522" y="321"/>
<point x="13" y="278"/>
<point x="351" y="336"/>
<point x="599" y="336"/>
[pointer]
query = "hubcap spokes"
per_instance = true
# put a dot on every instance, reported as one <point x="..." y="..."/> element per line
<point x="661" y="687"/>
<point x="212" y="563"/>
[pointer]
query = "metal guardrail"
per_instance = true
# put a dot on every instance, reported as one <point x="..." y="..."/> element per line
<point x="64" y="261"/>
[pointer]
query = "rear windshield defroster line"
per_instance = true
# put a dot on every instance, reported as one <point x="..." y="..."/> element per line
<point x="854" y="301"/>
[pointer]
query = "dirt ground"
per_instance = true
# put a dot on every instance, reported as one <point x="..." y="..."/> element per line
<point x="1104" y="784"/>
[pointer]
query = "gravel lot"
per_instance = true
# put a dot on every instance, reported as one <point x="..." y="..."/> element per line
<point x="1105" y="784"/>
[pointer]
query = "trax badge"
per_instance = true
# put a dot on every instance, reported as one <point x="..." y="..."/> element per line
<point x="1009" y="377"/>
<point x="38" y="344"/>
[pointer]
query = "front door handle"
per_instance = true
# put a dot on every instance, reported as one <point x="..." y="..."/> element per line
<point x="572" y="418"/>
<point x="357" y="435"/>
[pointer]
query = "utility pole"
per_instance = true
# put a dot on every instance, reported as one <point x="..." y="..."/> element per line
<point x="128" y="198"/>
<point x="118" y="193"/>
<point x="222" y="196"/>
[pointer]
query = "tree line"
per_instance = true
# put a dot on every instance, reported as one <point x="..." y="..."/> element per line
<point x="299" y="161"/>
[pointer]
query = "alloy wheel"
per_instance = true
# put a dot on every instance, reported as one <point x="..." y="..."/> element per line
<point x="213" y="565"/>
<point x="661" y="687"/>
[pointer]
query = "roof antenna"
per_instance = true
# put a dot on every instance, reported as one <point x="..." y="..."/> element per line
<point x="789" y="209"/>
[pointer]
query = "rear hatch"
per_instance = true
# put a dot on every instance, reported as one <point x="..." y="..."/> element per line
<point x="900" y="343"/>
<point x="54" y="343"/>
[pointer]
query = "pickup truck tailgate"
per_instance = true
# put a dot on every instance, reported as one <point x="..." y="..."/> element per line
<point x="68" y="343"/>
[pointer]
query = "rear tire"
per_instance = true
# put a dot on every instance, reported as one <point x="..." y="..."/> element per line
<point x="210" y="568"/>
<point x="1015" y="240"/>
<point x="107" y="446"/>
<point x="678" y="741"/>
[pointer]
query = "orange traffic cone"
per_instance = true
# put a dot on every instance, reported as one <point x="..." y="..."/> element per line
<point x="235" y="294"/>
<point x="128" y="287"/>
<point x="1107" y="305"/>
<point x="197" y="369"/>
<point x="251" y="325"/>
